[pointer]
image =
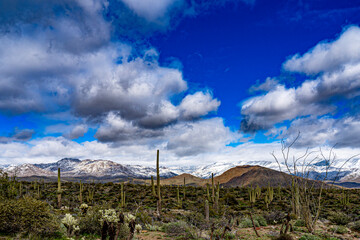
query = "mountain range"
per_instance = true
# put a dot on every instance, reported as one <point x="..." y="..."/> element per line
<point x="340" y="171"/>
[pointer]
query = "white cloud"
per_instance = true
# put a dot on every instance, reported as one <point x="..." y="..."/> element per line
<point x="198" y="104"/>
<point x="338" y="67"/>
<point x="152" y="10"/>
<point x="328" y="56"/>
<point x="188" y="139"/>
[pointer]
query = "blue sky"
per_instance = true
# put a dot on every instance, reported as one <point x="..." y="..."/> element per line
<point x="203" y="81"/>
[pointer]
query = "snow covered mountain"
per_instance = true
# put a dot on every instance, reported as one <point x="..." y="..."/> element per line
<point x="76" y="168"/>
<point x="27" y="170"/>
<point x="70" y="167"/>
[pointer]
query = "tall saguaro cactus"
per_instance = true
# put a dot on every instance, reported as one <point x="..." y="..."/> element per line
<point x="158" y="183"/>
<point x="153" y="186"/>
<point x="81" y="191"/>
<point x="122" y="195"/>
<point x="184" y="189"/>
<point x="213" y="187"/>
<point x="178" y="197"/>
<point x="59" y="191"/>
<point x="206" y="210"/>
<point x="208" y="192"/>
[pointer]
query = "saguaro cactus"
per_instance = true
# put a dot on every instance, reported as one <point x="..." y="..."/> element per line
<point x="158" y="183"/>
<point x="122" y="195"/>
<point x="258" y="192"/>
<point x="184" y="189"/>
<point x="59" y="191"/>
<point x="208" y="192"/>
<point x="91" y="191"/>
<point x="178" y="196"/>
<point x="295" y="197"/>
<point x="80" y="193"/>
<point x="20" y="189"/>
<point x="153" y="186"/>
<point x="269" y="196"/>
<point x="344" y="199"/>
<point x="252" y="195"/>
<point x="207" y="210"/>
<point x="212" y="187"/>
<point x="216" y="204"/>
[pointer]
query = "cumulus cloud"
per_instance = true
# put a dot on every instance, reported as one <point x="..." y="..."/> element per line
<point x="342" y="132"/>
<point x="18" y="136"/>
<point x="269" y="84"/>
<point x="69" y="63"/>
<point x="209" y="135"/>
<point x="328" y="56"/>
<point x="64" y="61"/>
<point x="197" y="105"/>
<point x="186" y="141"/>
<point x="152" y="10"/>
<point x="337" y="66"/>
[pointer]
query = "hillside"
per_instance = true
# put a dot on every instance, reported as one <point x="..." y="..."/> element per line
<point x="236" y="176"/>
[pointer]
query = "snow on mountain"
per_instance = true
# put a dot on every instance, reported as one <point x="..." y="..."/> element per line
<point x="215" y="168"/>
<point x="100" y="168"/>
<point x="27" y="170"/>
<point x="147" y="172"/>
<point x="65" y="164"/>
<point x="341" y="170"/>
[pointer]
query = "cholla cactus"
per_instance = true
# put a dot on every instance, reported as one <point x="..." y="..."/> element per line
<point x="70" y="223"/>
<point x="109" y="215"/>
<point x="138" y="228"/>
<point x="84" y="207"/>
<point x="129" y="217"/>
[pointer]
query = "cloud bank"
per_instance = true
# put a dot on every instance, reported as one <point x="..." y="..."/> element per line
<point x="315" y="106"/>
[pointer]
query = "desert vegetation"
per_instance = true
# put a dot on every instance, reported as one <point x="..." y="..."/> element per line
<point x="152" y="210"/>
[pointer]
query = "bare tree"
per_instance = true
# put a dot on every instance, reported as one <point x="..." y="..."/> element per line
<point x="306" y="195"/>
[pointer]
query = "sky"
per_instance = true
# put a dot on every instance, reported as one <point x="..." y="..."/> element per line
<point x="203" y="81"/>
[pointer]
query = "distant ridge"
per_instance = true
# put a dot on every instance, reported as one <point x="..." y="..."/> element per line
<point x="71" y="167"/>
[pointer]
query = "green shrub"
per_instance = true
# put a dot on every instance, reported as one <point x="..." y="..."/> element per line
<point x="261" y="220"/>
<point x="246" y="223"/>
<point x="275" y="217"/>
<point x="27" y="216"/>
<point x="219" y="232"/>
<point x="355" y="226"/>
<point x="339" y="218"/>
<point x="339" y="229"/>
<point x="299" y="223"/>
<point x="309" y="237"/>
<point x="176" y="228"/>
<point x="143" y="217"/>
<point x="284" y="237"/>
<point x="90" y="222"/>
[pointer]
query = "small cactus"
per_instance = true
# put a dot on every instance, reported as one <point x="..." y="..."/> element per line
<point x="344" y="199"/>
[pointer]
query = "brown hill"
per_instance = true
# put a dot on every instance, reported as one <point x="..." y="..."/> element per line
<point x="241" y="176"/>
<point x="237" y="176"/>
<point x="234" y="172"/>
<point x="260" y="176"/>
